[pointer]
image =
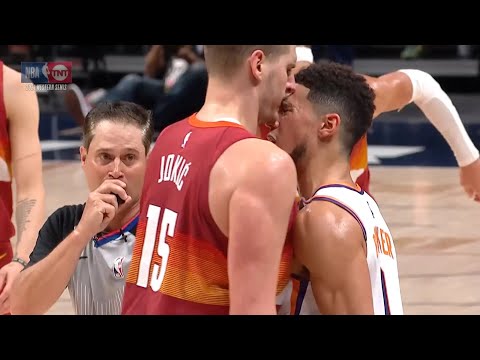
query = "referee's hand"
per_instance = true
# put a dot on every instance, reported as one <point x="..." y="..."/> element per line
<point x="101" y="206"/>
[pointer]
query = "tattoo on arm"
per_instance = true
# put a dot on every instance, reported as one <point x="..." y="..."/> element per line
<point x="24" y="208"/>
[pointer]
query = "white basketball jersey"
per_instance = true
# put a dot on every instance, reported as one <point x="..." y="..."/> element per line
<point x="381" y="256"/>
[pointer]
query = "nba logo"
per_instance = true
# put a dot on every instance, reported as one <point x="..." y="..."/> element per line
<point x="118" y="267"/>
<point x="53" y="72"/>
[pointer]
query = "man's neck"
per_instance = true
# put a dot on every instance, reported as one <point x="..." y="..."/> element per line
<point x="123" y="216"/>
<point x="226" y="101"/>
<point x="320" y="169"/>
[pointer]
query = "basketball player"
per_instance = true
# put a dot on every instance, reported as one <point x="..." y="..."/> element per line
<point x="396" y="90"/>
<point x="20" y="160"/>
<point x="341" y="240"/>
<point x="208" y="183"/>
<point x="88" y="247"/>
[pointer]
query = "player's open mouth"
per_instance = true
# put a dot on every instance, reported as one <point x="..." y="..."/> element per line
<point x="272" y="138"/>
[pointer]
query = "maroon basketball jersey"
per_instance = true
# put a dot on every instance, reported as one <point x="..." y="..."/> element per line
<point x="179" y="262"/>
<point x="6" y="200"/>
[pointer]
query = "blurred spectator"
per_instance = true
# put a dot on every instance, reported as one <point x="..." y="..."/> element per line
<point x="412" y="52"/>
<point x="421" y="51"/>
<point x="133" y="87"/>
<point x="19" y="53"/>
<point x="464" y="51"/>
<point x="187" y="95"/>
<point x="342" y="54"/>
<point x="173" y="86"/>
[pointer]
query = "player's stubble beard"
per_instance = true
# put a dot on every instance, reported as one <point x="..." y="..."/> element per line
<point x="298" y="153"/>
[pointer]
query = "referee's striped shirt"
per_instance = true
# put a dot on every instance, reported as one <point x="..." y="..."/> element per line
<point x="97" y="284"/>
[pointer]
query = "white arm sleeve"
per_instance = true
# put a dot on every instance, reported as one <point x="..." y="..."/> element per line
<point x="437" y="106"/>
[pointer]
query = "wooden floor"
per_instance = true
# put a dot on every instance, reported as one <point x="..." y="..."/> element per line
<point x="435" y="229"/>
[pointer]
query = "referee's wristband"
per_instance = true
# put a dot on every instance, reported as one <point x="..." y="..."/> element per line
<point x="20" y="261"/>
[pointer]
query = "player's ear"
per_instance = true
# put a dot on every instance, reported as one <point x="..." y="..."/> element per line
<point x="256" y="62"/>
<point x="83" y="154"/>
<point x="329" y="125"/>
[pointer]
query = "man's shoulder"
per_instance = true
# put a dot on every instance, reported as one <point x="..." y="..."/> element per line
<point x="262" y="155"/>
<point x="67" y="215"/>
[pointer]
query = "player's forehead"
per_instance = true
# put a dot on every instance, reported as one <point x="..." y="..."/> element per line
<point x="292" y="55"/>
<point x="288" y="58"/>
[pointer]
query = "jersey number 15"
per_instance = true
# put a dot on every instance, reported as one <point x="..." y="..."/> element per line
<point x="167" y="227"/>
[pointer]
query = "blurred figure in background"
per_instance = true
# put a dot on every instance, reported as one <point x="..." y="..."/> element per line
<point x="173" y="86"/>
<point x="20" y="160"/>
<point x="341" y="54"/>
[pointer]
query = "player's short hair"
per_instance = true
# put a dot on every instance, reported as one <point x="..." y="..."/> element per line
<point x="225" y="60"/>
<point x="336" y="88"/>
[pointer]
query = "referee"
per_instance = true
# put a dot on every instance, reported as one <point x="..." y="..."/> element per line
<point x="88" y="247"/>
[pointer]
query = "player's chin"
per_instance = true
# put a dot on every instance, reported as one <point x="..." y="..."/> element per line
<point x="281" y="142"/>
<point x="277" y="140"/>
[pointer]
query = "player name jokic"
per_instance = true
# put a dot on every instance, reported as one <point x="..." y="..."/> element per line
<point x="174" y="168"/>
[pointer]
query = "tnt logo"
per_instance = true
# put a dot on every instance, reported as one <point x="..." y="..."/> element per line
<point x="53" y="72"/>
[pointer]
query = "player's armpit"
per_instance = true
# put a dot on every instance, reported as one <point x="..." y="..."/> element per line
<point x="330" y="243"/>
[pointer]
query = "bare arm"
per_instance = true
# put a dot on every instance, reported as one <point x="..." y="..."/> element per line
<point x="187" y="52"/>
<point x="154" y="61"/>
<point x="329" y="242"/>
<point x="23" y="116"/>
<point x="397" y="89"/>
<point x="54" y="258"/>
<point x="258" y="214"/>
<point x="393" y="91"/>
<point x="40" y="286"/>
